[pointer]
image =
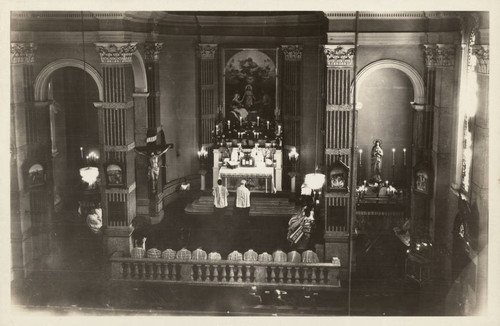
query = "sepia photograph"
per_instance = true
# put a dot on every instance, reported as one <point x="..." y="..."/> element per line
<point x="310" y="162"/>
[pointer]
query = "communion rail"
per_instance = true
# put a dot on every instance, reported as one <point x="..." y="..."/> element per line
<point x="225" y="272"/>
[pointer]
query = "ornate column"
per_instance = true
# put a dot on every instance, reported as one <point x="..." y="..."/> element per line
<point x="291" y="100"/>
<point x="147" y="112"/>
<point x="116" y="139"/>
<point x="434" y="150"/>
<point x="338" y="116"/>
<point x="479" y="185"/>
<point x="31" y="201"/>
<point x="208" y="98"/>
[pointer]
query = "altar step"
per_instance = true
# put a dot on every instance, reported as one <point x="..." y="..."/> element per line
<point x="260" y="206"/>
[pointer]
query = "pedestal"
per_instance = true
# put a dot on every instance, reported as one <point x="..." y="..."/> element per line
<point x="292" y="175"/>
<point x="117" y="239"/>
<point x="202" y="180"/>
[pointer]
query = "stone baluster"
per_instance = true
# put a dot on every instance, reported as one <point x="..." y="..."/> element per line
<point x="224" y="273"/>
<point x="297" y="275"/>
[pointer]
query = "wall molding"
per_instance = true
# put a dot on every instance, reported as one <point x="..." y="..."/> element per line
<point x="409" y="71"/>
<point x="43" y="77"/>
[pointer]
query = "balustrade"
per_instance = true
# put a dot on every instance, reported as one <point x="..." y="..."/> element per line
<point x="235" y="273"/>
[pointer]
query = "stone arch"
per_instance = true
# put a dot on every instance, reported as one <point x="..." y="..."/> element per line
<point x="139" y="69"/>
<point x="43" y="77"/>
<point x="409" y="71"/>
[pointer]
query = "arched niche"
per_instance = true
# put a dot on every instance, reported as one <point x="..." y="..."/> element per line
<point x="415" y="78"/>
<point x="43" y="77"/>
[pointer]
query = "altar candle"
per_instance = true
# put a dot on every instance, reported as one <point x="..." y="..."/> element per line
<point x="267" y="124"/>
<point x="240" y="121"/>
<point x="360" y="157"/>
<point x="393" y="157"/>
<point x="404" y="156"/>
<point x="228" y="124"/>
<point x="258" y="119"/>
<point x="81" y="152"/>
<point x="279" y="129"/>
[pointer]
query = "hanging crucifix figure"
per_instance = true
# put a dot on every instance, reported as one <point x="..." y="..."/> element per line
<point x="153" y="152"/>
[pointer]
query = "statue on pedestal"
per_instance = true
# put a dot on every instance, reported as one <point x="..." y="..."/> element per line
<point x="376" y="161"/>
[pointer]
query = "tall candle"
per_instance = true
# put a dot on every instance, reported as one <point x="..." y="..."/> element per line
<point x="268" y="124"/>
<point x="258" y="119"/>
<point x="81" y="152"/>
<point x="228" y="124"/>
<point x="279" y="129"/>
<point x="360" y="157"/>
<point x="393" y="157"/>
<point x="404" y="156"/>
<point x="240" y="121"/>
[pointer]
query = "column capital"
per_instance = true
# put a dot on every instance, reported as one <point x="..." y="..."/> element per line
<point x="207" y="51"/>
<point x="116" y="52"/>
<point x="22" y="52"/>
<point x="152" y="51"/>
<point x="439" y="55"/>
<point x="292" y="52"/>
<point x="481" y="64"/>
<point x="339" y="55"/>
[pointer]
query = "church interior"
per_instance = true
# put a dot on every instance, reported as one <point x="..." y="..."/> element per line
<point x="362" y="138"/>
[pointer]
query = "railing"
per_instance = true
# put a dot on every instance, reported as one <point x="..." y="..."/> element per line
<point x="225" y="272"/>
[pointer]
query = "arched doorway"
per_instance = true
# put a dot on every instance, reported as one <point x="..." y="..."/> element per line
<point x="74" y="128"/>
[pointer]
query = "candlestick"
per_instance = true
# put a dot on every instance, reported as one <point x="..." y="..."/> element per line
<point x="258" y="119"/>
<point x="81" y="152"/>
<point x="360" y="157"/>
<point x="240" y="121"/>
<point x="393" y="156"/>
<point x="404" y="156"/>
<point x="228" y="124"/>
<point x="267" y="124"/>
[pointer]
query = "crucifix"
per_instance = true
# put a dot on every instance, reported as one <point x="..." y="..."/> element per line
<point x="153" y="152"/>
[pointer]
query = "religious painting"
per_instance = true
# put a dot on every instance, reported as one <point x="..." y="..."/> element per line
<point x="337" y="180"/>
<point x="422" y="182"/>
<point x="114" y="174"/>
<point x="250" y="85"/>
<point x="36" y="175"/>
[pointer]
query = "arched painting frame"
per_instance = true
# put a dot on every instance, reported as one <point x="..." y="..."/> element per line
<point x="250" y="81"/>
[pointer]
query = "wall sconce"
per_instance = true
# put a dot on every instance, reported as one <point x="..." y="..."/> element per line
<point x="293" y="155"/>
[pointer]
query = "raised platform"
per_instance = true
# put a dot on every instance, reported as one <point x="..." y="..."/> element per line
<point x="260" y="206"/>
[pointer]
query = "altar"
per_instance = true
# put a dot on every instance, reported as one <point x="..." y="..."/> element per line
<point x="261" y="178"/>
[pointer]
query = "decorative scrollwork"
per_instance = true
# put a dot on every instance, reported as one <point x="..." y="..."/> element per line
<point x="292" y="52"/>
<point x="152" y="51"/>
<point x="207" y="51"/>
<point x="439" y="55"/>
<point x="482" y="54"/>
<point x="116" y="52"/>
<point x="339" y="55"/>
<point x="22" y="52"/>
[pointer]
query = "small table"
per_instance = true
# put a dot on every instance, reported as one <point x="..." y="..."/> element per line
<point x="418" y="268"/>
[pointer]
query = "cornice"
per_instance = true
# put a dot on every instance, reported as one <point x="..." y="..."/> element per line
<point x="392" y="38"/>
<point x="390" y="14"/>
